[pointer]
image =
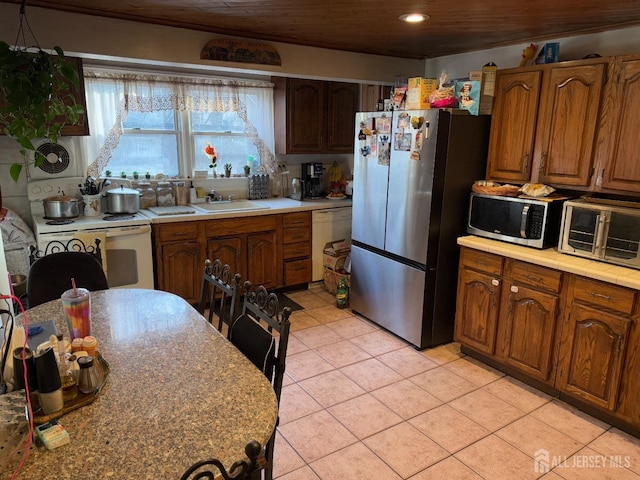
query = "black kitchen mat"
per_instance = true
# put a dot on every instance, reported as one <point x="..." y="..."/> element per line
<point x="284" y="301"/>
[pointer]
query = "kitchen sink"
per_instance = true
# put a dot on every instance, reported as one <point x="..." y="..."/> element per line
<point x="233" y="206"/>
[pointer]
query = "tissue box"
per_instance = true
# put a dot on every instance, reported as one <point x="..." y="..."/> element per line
<point x="335" y="254"/>
<point x="418" y="92"/>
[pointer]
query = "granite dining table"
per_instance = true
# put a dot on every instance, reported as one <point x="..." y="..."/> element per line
<point x="177" y="392"/>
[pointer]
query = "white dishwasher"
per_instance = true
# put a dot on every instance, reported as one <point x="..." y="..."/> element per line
<point x="327" y="225"/>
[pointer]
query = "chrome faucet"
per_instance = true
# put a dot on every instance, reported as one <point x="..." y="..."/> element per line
<point x="213" y="197"/>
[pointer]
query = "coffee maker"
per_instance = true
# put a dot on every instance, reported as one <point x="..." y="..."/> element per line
<point x="312" y="187"/>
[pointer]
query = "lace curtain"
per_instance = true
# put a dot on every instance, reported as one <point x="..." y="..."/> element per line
<point x="111" y="96"/>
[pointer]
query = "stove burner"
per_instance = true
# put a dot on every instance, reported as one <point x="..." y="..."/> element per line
<point x="60" y="222"/>
<point x="118" y="216"/>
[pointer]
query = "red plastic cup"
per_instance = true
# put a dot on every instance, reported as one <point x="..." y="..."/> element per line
<point x="77" y="308"/>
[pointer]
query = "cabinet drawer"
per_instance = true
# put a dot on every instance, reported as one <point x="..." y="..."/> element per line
<point x="604" y="295"/>
<point x="178" y="231"/>
<point x="294" y="235"/>
<point x="238" y="226"/>
<point x="296" y="250"/>
<point x="534" y="275"/>
<point x="486" y="262"/>
<point x="297" y="271"/>
<point x="299" y="219"/>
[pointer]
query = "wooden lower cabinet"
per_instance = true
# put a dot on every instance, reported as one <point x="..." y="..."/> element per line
<point x="296" y="248"/>
<point x="477" y="310"/>
<point x="182" y="264"/>
<point x="249" y="245"/>
<point x="528" y="321"/>
<point x="592" y="355"/>
<point x="577" y="335"/>
<point x="229" y="250"/>
<point x="262" y="259"/>
<point x="270" y="250"/>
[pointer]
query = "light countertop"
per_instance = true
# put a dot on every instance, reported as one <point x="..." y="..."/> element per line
<point x="550" y="257"/>
<point x="273" y="206"/>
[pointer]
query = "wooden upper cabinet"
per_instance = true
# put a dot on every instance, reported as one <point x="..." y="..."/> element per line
<point x="566" y="126"/>
<point x="513" y="126"/>
<point x="620" y="167"/>
<point x="305" y="112"/>
<point x="312" y="116"/>
<point x="342" y="104"/>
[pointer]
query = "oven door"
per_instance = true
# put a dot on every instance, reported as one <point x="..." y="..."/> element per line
<point x="127" y="257"/>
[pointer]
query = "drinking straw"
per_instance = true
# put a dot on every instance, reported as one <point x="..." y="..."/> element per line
<point x="73" y="285"/>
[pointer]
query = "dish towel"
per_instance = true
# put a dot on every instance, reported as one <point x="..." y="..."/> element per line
<point x="89" y="239"/>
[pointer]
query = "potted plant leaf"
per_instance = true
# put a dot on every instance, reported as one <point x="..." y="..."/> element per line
<point x="36" y="97"/>
<point x="227" y="170"/>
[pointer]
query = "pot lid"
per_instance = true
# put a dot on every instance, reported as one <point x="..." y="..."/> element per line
<point x="123" y="191"/>
<point x="61" y="198"/>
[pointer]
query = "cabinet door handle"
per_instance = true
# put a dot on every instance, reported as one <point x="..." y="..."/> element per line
<point x="526" y="160"/>
<point x="619" y="346"/>
<point x="542" y="155"/>
<point x="514" y="288"/>
<point x="480" y="262"/>
<point x="534" y="278"/>
<point x="495" y="282"/>
<point x="600" y="295"/>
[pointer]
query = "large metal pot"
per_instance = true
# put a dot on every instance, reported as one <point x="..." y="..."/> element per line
<point x="61" y="206"/>
<point x="123" y="200"/>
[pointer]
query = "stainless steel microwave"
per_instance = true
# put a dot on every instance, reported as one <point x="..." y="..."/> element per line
<point x="602" y="232"/>
<point x="523" y="221"/>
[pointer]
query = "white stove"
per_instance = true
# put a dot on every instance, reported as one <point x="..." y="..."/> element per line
<point x="126" y="239"/>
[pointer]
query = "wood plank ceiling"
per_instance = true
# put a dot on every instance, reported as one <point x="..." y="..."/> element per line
<point x="373" y="26"/>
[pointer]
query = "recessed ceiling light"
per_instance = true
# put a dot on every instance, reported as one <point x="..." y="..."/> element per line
<point x="414" y="17"/>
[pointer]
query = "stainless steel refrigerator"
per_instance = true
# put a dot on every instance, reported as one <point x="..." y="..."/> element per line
<point x="413" y="172"/>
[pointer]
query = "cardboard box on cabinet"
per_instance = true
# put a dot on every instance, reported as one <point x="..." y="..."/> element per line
<point x="418" y="92"/>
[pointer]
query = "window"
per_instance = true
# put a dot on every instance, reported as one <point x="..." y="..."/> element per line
<point x="155" y="124"/>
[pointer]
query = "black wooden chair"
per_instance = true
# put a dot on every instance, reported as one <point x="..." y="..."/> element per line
<point x="240" y="470"/>
<point x="73" y="245"/>
<point x="219" y="293"/>
<point x="51" y="275"/>
<point x="261" y="333"/>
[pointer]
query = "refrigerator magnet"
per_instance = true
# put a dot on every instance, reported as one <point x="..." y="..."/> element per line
<point x="417" y="122"/>
<point x="402" y="142"/>
<point x="415" y="155"/>
<point x="418" y="140"/>
<point x="403" y="120"/>
<point x="384" y="150"/>
<point x="383" y="124"/>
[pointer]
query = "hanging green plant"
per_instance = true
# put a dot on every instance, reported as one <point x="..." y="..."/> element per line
<point x="35" y="96"/>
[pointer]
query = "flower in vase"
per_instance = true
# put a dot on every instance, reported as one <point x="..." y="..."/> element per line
<point x="210" y="152"/>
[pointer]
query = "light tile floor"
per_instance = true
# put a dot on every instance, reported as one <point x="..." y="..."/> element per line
<point x="359" y="403"/>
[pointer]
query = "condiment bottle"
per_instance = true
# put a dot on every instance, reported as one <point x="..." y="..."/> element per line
<point x="342" y="294"/>
<point x="88" y="377"/>
<point x="68" y="380"/>
<point x="89" y="344"/>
